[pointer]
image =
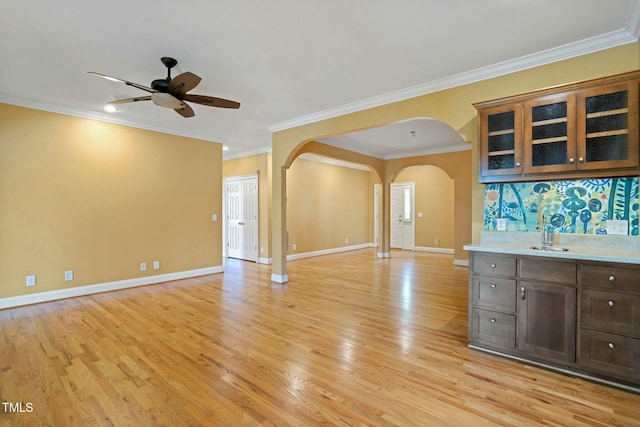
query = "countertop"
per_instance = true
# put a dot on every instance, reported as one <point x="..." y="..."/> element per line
<point x="620" y="249"/>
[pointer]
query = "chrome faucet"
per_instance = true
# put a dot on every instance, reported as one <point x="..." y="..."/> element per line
<point x="547" y="233"/>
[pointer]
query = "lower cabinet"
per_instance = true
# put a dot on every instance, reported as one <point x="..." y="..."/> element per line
<point x="547" y="321"/>
<point x="575" y="315"/>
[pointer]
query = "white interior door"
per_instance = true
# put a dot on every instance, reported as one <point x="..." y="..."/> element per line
<point x="402" y="228"/>
<point x="242" y="218"/>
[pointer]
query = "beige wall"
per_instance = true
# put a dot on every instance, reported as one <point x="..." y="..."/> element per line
<point x="434" y="198"/>
<point x="99" y="199"/>
<point x="327" y="204"/>
<point x="260" y="164"/>
<point x="452" y="106"/>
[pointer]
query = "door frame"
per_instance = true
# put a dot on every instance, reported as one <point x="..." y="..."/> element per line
<point x="412" y="186"/>
<point x="225" y="222"/>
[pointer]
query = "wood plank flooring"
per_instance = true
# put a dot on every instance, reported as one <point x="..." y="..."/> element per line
<point x="351" y="340"/>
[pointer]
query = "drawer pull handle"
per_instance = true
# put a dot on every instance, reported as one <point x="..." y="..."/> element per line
<point x="493" y="286"/>
<point x="611" y="345"/>
<point x="492" y="320"/>
<point x="611" y="303"/>
<point x="523" y="293"/>
<point x="612" y="278"/>
<point x="493" y="266"/>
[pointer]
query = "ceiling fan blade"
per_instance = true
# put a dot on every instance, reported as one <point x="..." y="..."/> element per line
<point x="186" y="112"/>
<point x="128" y="83"/>
<point x="167" y="100"/>
<point x="183" y="83"/>
<point x="211" y="101"/>
<point x="136" y="99"/>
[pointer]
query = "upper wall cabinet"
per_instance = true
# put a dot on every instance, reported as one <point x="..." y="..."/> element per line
<point x="582" y="130"/>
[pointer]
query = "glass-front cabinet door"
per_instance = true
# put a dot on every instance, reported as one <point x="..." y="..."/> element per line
<point x="608" y="127"/>
<point x="501" y="136"/>
<point x="550" y="134"/>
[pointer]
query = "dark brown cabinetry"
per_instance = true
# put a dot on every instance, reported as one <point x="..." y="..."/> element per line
<point x="564" y="132"/>
<point x="610" y="321"/>
<point x="580" y="316"/>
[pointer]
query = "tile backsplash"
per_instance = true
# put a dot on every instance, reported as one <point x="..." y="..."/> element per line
<point x="577" y="207"/>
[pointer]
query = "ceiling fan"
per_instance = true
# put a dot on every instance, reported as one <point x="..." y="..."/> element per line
<point x="172" y="92"/>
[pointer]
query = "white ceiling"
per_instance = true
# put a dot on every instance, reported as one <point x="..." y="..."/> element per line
<point x="287" y="61"/>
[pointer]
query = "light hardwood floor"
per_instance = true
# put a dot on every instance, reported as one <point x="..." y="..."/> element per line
<point x="351" y="340"/>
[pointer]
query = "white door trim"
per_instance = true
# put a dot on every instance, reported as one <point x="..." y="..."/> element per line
<point x="253" y="254"/>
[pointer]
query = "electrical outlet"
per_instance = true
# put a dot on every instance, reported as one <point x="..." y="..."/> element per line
<point x="143" y="266"/>
<point x="618" y="227"/>
<point x="346" y="240"/>
<point x="293" y="247"/>
<point x="31" y="280"/>
<point x="437" y="242"/>
<point x="68" y="275"/>
<point x="156" y="265"/>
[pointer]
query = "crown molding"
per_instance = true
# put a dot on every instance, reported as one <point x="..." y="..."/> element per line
<point x="92" y="115"/>
<point x="633" y="21"/>
<point x="594" y="44"/>
<point x="428" y="152"/>
<point x="231" y="156"/>
<point x="333" y="161"/>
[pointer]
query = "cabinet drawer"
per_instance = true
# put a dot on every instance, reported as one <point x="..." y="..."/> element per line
<point x="548" y="271"/>
<point x="494" y="265"/>
<point x="614" y="278"/>
<point x="611" y="312"/>
<point x="610" y="354"/>
<point x="490" y="327"/>
<point x="494" y="293"/>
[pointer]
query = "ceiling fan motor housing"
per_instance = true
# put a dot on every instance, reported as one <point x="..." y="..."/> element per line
<point x="161" y="85"/>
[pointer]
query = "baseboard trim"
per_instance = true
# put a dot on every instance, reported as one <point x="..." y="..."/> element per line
<point x="280" y="278"/>
<point x="47" y="296"/>
<point x="384" y="255"/>
<point x="265" y="260"/>
<point x="328" y="251"/>
<point x="435" y="250"/>
<point x="461" y="262"/>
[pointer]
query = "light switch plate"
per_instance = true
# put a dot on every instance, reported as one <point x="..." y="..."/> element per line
<point x="618" y="227"/>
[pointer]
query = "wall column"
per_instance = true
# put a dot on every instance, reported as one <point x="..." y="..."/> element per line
<point x="385" y="238"/>
<point x="279" y="224"/>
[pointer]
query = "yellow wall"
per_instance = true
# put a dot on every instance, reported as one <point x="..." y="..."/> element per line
<point x="327" y="204"/>
<point x="99" y="199"/>
<point x="451" y="106"/>
<point x="434" y="198"/>
<point x="260" y="164"/>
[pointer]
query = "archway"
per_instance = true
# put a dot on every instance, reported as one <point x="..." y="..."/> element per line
<point x="446" y="157"/>
<point x="434" y="207"/>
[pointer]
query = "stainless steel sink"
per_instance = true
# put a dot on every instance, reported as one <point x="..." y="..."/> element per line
<point x="549" y="248"/>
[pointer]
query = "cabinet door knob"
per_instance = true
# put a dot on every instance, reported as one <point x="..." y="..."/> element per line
<point x="493" y="286"/>
<point x="494" y="321"/>
<point x="493" y="266"/>
<point x="581" y="159"/>
<point x="611" y="345"/>
<point x="518" y="164"/>
<point x="572" y="160"/>
<point x="612" y="278"/>
<point x="611" y="303"/>
<point x="523" y="293"/>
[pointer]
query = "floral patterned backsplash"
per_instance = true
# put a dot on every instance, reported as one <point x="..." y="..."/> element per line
<point x="578" y="207"/>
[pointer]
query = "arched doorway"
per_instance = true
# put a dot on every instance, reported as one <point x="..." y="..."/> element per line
<point x="387" y="167"/>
